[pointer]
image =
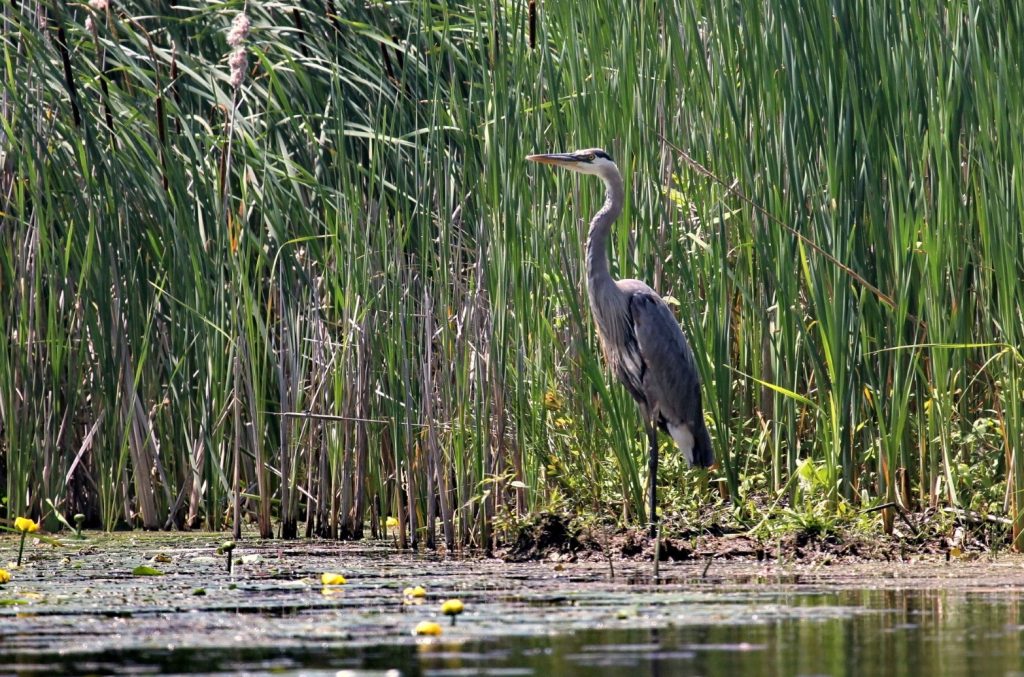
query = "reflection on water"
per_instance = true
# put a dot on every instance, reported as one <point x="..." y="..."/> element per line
<point x="847" y="632"/>
<point x="900" y="633"/>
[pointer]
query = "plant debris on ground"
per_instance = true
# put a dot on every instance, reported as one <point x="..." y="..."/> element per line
<point x="560" y="538"/>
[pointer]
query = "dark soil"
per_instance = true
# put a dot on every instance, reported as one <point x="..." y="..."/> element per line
<point x="549" y="537"/>
<point x="557" y="538"/>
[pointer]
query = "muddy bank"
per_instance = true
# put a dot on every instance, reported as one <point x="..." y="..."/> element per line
<point x="558" y="538"/>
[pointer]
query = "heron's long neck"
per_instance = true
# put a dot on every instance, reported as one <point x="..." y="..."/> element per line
<point x="600" y="227"/>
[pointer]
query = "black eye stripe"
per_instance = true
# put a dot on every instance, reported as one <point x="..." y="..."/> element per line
<point x="591" y="155"/>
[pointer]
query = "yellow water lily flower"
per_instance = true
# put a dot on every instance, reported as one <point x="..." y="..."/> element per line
<point x="391" y="523"/>
<point x="332" y="579"/>
<point x="26" y="525"/>
<point x="5" y="576"/>
<point x="452" y="607"/>
<point x="418" y="591"/>
<point x="429" y="628"/>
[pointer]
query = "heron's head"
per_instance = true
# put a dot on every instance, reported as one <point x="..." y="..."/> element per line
<point x="590" y="161"/>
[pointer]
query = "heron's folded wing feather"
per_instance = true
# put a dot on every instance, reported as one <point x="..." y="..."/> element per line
<point x="670" y="380"/>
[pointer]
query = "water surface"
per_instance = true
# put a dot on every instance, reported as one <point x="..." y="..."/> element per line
<point x="78" y="610"/>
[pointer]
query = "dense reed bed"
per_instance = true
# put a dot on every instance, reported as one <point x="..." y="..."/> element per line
<point x="314" y="284"/>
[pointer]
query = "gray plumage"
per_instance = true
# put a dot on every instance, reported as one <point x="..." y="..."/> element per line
<point x="640" y="338"/>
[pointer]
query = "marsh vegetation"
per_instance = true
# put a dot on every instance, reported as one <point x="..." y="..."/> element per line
<point x="316" y="285"/>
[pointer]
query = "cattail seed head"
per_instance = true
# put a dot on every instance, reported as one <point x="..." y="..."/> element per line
<point x="239" y="29"/>
<point x="238" y="61"/>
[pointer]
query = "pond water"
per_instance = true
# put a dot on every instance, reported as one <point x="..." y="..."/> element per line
<point x="79" y="610"/>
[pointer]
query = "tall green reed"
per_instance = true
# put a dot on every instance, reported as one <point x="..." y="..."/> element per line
<point x="363" y="305"/>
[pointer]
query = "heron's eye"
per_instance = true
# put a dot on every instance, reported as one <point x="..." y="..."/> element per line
<point x="589" y="157"/>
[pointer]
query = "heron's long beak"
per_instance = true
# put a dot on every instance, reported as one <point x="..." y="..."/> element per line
<point x="557" y="159"/>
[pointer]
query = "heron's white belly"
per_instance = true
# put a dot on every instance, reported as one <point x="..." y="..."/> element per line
<point x="684" y="439"/>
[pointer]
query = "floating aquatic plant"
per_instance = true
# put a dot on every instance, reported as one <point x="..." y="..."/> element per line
<point x="26" y="526"/>
<point x="452" y="607"/>
<point x="227" y="547"/>
<point x="146" y="570"/>
<point x="428" y="628"/>
<point x="327" y="578"/>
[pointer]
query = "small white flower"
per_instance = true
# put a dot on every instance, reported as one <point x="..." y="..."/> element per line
<point x="99" y="5"/>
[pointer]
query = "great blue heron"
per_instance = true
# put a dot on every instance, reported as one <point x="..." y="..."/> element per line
<point x="641" y="340"/>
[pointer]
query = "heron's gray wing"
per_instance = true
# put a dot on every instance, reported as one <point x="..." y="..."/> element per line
<point x="670" y="381"/>
<point x="671" y="384"/>
<point x="626" y="361"/>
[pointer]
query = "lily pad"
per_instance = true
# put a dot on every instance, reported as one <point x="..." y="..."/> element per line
<point x="144" y="570"/>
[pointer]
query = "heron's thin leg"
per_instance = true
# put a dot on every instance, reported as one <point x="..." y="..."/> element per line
<point x="652" y="473"/>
